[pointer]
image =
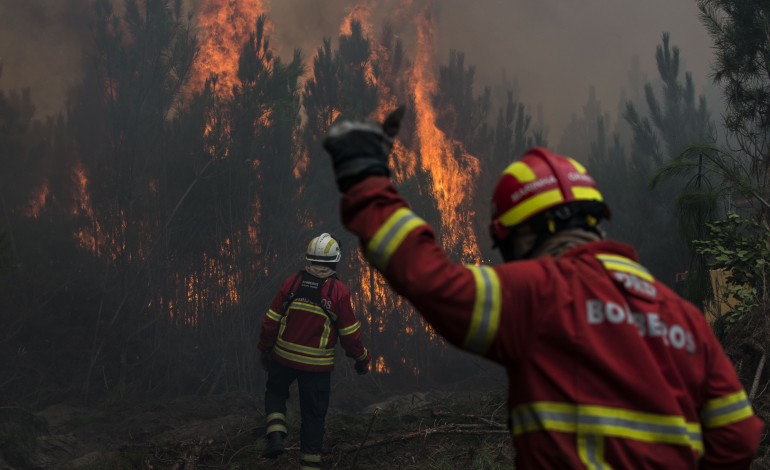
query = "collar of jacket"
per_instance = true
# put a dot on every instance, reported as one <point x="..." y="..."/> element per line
<point x="603" y="246"/>
<point x="320" y="271"/>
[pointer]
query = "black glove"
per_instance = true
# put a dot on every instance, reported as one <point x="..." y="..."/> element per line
<point x="360" y="149"/>
<point x="362" y="368"/>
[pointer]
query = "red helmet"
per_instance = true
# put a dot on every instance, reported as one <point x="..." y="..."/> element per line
<point x="539" y="182"/>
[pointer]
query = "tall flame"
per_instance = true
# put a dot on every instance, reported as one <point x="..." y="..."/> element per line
<point x="225" y="26"/>
<point x="452" y="180"/>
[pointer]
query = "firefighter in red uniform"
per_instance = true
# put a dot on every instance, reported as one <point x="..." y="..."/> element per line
<point x="299" y="332"/>
<point x="607" y="367"/>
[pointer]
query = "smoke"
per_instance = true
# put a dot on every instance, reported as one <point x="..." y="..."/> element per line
<point x="555" y="49"/>
<point x="42" y="47"/>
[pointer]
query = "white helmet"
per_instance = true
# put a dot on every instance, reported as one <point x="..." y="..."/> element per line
<point x="323" y="249"/>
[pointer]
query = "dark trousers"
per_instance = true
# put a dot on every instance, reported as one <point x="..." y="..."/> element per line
<point x="313" y="401"/>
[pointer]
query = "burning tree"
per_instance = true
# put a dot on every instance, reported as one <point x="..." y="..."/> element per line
<point x="182" y="183"/>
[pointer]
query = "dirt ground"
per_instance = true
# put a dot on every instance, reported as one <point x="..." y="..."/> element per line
<point x="367" y="428"/>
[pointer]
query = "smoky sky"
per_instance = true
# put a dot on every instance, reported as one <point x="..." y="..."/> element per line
<point x="554" y="49"/>
<point x="41" y="44"/>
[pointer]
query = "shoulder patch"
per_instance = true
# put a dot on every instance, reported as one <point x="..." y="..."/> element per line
<point x="634" y="277"/>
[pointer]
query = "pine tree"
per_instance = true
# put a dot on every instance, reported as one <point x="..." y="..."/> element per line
<point x="675" y="121"/>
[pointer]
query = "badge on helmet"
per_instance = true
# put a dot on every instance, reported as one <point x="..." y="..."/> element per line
<point x="323" y="249"/>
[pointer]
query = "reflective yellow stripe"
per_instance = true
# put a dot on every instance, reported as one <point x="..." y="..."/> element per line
<point x="273" y="315"/>
<point x="325" y="335"/>
<point x="586" y="193"/>
<point x="486" y="309"/>
<point x="726" y="410"/>
<point x="390" y="235"/>
<point x="312" y="308"/>
<point x="530" y="206"/>
<point x="351" y="329"/>
<point x="277" y="427"/>
<point x="521" y="171"/>
<point x="311" y="457"/>
<point x="322" y="352"/>
<point x="316" y="361"/>
<point x="362" y="356"/>
<point x="623" y="264"/>
<point x="591" y="451"/>
<point x="606" y="421"/>
<point x="276" y="415"/>
<point x="578" y="166"/>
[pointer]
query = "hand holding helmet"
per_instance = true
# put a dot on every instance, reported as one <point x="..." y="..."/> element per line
<point x="360" y="149"/>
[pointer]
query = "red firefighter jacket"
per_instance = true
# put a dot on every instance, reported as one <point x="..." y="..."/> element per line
<point x="607" y="367"/>
<point x="304" y="335"/>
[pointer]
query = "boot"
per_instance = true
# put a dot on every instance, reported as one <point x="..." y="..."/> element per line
<point x="274" y="445"/>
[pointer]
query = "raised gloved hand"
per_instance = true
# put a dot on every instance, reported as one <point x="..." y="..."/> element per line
<point x="360" y="149"/>
<point x="362" y="367"/>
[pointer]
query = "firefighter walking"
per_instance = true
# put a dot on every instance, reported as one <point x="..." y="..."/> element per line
<point x="608" y="368"/>
<point x="299" y="331"/>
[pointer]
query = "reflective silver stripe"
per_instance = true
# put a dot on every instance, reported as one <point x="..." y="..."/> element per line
<point x="389" y="236"/>
<point x="312" y="308"/>
<point x="486" y="310"/>
<point x="605" y="421"/>
<point x="363" y="355"/>
<point x="350" y="330"/>
<point x="273" y="315"/>
<point x="317" y="361"/>
<point x="322" y="352"/>
<point x="591" y="451"/>
<point x="277" y="427"/>
<point x="726" y="410"/>
<point x="311" y="457"/>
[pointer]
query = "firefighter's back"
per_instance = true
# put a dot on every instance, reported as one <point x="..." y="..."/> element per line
<point x="616" y="369"/>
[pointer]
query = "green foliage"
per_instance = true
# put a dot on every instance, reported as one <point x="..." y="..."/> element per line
<point x="741" y="66"/>
<point x="742" y="63"/>
<point x="740" y="247"/>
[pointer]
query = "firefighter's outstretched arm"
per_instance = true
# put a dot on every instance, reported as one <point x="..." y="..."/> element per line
<point x="463" y="303"/>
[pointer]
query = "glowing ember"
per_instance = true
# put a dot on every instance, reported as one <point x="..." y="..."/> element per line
<point x="379" y="365"/>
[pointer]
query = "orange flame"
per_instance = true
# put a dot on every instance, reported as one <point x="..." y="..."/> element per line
<point x="380" y="366"/>
<point x="226" y="25"/>
<point x="38" y="201"/>
<point x="361" y="13"/>
<point x="452" y="178"/>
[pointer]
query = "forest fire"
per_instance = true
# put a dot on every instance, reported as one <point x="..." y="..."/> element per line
<point x="449" y="168"/>
<point x="225" y="26"/>
<point x="451" y="180"/>
<point x="361" y="13"/>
